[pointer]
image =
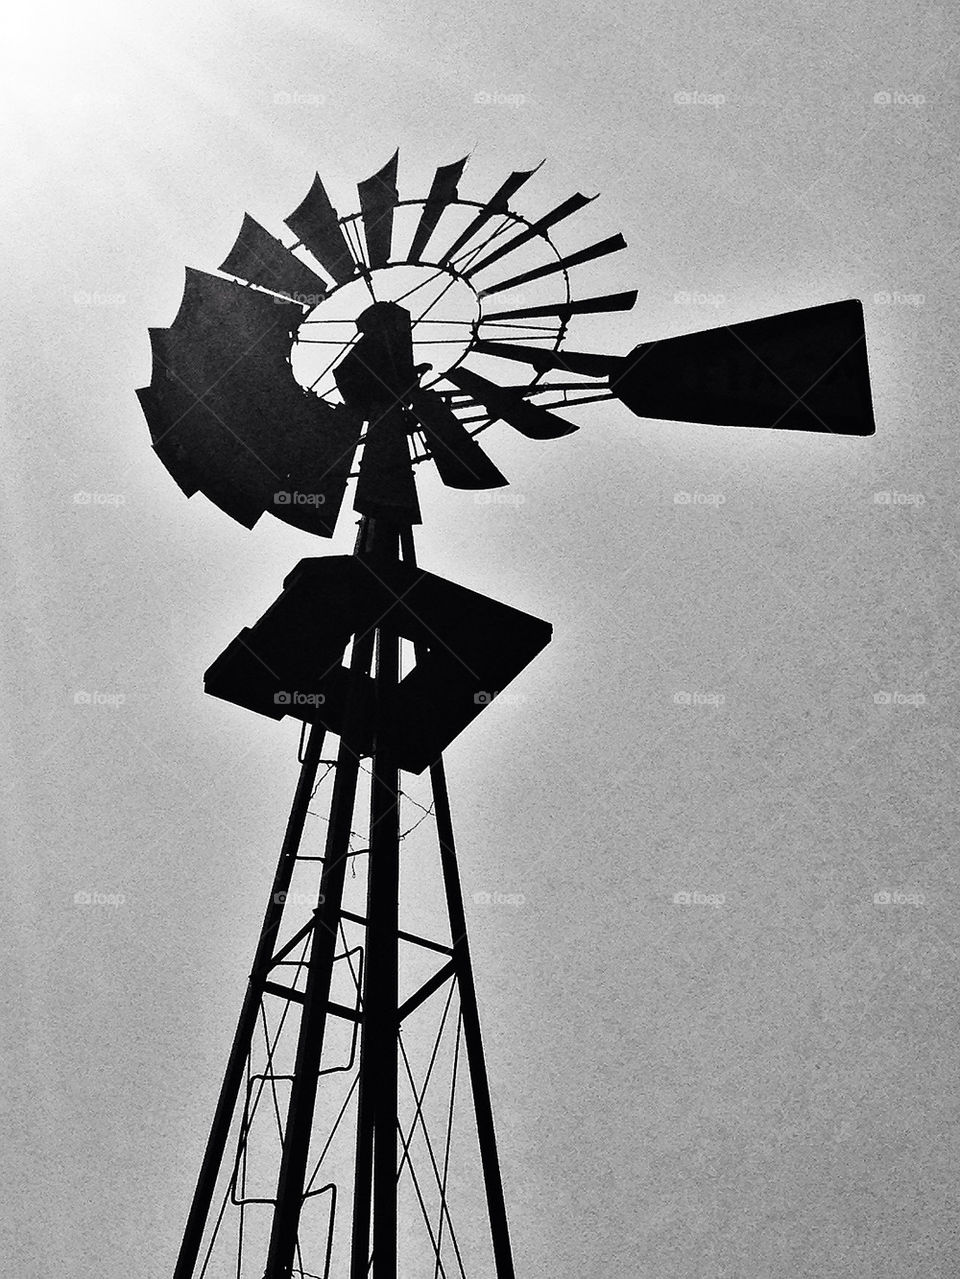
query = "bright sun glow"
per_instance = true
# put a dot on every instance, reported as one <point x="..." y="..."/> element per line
<point x="68" y="76"/>
<point x="44" y="42"/>
<point x="62" y="66"/>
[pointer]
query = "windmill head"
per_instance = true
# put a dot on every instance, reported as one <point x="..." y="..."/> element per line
<point x="228" y="418"/>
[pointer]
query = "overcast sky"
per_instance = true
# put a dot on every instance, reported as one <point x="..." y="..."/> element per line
<point x="759" y="1087"/>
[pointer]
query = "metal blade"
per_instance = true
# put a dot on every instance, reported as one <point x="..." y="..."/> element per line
<point x="260" y="258"/>
<point x="442" y="192"/>
<point x="315" y="224"/>
<point x="582" y="362"/>
<point x="800" y="371"/>
<point x="498" y="203"/>
<point x="613" y="244"/>
<point x="585" y="306"/>
<point x="227" y="417"/>
<point x="550" y="219"/>
<point x="460" y="460"/>
<point x="531" y="420"/>
<point x="378" y="199"/>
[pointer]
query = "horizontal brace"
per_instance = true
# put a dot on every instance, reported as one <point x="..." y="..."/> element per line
<point x="411" y="937"/>
<point x="287" y="992"/>
<point x="426" y="990"/>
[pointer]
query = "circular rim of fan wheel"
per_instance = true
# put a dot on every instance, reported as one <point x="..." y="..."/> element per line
<point x="510" y="219"/>
<point x="228" y="426"/>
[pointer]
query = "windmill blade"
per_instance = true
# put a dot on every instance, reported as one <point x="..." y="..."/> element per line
<point x="613" y="244"/>
<point x="315" y="224"/>
<point x="585" y="306"/>
<point x="378" y="199"/>
<point x="531" y="420"/>
<point x="443" y="191"/>
<point x="550" y="219"/>
<point x="227" y="417"/>
<point x="260" y="258"/>
<point x="582" y="362"/>
<point x="231" y="487"/>
<point x="498" y="203"/>
<point x="799" y="371"/>
<point x="460" y="460"/>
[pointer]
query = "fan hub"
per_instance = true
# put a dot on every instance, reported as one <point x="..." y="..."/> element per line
<point x="443" y="311"/>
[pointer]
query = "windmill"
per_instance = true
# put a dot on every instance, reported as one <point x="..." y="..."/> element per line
<point x="377" y="341"/>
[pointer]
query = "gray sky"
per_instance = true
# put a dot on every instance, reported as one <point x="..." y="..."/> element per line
<point x="759" y="1088"/>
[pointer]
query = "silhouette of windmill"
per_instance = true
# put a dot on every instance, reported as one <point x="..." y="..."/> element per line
<point x="245" y="406"/>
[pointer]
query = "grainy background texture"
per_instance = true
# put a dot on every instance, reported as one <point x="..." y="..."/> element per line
<point x="760" y="1087"/>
